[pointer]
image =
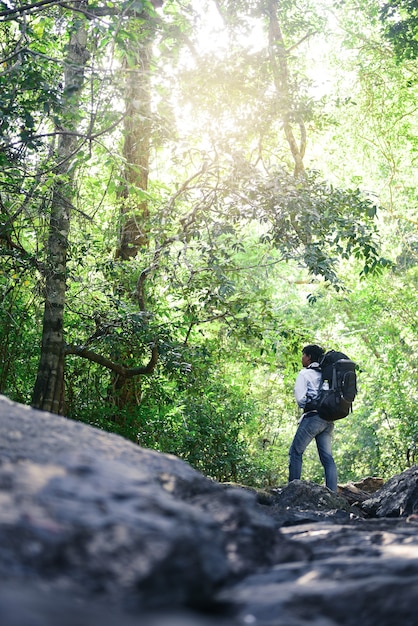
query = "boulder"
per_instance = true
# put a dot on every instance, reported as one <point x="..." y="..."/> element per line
<point x="88" y="513"/>
<point x="302" y="501"/>
<point x="397" y="498"/>
<point x="361" y="573"/>
<point x="357" y="492"/>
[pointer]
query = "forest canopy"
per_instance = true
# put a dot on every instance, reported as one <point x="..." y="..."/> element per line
<point x="190" y="192"/>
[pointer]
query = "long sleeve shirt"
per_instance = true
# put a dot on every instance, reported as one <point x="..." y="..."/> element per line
<point x="307" y="384"/>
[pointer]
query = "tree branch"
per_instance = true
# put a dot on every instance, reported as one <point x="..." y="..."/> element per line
<point x="295" y="45"/>
<point x="89" y="13"/>
<point x="11" y="13"/>
<point x="125" y="372"/>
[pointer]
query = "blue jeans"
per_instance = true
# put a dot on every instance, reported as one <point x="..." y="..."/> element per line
<point x="313" y="427"/>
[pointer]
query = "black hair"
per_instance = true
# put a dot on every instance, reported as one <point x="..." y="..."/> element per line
<point x="314" y="352"/>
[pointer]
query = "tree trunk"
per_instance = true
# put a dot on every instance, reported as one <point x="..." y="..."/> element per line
<point x="48" y="392"/>
<point x="278" y="60"/>
<point x="124" y="391"/>
<point x="136" y="151"/>
<point x="137" y="139"/>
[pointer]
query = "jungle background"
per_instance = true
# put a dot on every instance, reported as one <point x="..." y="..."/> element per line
<point x="190" y="192"/>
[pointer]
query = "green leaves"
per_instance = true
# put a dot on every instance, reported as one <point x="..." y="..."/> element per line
<point x="319" y="224"/>
<point x="399" y="20"/>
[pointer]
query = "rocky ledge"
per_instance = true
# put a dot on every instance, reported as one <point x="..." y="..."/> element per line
<point x="94" y="529"/>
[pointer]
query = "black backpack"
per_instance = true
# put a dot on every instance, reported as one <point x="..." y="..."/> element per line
<point x="339" y="374"/>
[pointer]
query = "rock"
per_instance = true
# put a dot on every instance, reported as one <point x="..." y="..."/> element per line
<point x="91" y="514"/>
<point x="96" y="530"/>
<point x="25" y="604"/>
<point x="370" y="484"/>
<point x="364" y="572"/>
<point x="301" y="502"/>
<point x="309" y="496"/>
<point x="397" y="498"/>
<point x="357" y="492"/>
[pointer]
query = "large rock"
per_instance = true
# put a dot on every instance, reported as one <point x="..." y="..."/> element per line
<point x="397" y="498"/>
<point x="301" y="502"/>
<point x="88" y="513"/>
<point x="361" y="571"/>
<point x="95" y="530"/>
<point x="364" y="573"/>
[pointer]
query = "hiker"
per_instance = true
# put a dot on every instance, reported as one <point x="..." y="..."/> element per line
<point x="311" y="426"/>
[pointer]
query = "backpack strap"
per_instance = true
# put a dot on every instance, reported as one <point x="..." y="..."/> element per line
<point x="334" y="378"/>
<point x="310" y="406"/>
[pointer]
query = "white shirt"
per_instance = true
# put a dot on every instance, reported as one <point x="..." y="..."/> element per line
<point x="307" y="384"/>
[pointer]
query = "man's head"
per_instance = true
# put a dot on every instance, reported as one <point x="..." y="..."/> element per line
<point x="311" y="354"/>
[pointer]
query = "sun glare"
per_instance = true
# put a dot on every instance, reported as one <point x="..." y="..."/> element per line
<point x="213" y="36"/>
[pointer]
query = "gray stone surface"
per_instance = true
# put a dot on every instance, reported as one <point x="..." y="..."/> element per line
<point x="397" y="498"/>
<point x="364" y="573"/>
<point x="89" y="513"/>
<point x="96" y="530"/>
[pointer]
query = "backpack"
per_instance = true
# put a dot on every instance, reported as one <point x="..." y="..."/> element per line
<point x="338" y="386"/>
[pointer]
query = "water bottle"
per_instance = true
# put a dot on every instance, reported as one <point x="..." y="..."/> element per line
<point x="325" y="385"/>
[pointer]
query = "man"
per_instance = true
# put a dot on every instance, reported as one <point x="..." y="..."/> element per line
<point x="311" y="426"/>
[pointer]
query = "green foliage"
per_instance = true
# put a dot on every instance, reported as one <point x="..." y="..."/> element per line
<point x="400" y="25"/>
<point x="188" y="411"/>
<point x="244" y="263"/>
<point x="19" y="337"/>
<point x="320" y="224"/>
<point x="29" y="84"/>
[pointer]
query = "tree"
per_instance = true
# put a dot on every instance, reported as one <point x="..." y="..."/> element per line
<point x="137" y="61"/>
<point x="213" y="239"/>
<point x="48" y="392"/>
<point x="49" y="387"/>
<point x="278" y="55"/>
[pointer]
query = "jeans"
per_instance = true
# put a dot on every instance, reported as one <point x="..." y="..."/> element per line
<point x="313" y="427"/>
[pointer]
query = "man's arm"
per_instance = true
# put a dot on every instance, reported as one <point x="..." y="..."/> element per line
<point x="301" y="388"/>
